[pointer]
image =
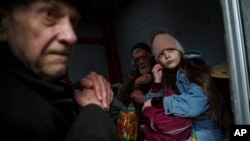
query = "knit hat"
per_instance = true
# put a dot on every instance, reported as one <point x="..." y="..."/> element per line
<point x="82" y="5"/>
<point x="140" y="45"/>
<point x="160" y="46"/>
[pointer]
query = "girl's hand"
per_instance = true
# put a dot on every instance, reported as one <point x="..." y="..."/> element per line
<point x="146" y="104"/>
<point x="157" y="72"/>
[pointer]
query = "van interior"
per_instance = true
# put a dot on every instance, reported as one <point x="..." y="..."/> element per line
<point x="217" y="28"/>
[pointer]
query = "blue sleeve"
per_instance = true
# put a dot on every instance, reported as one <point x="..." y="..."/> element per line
<point x="150" y="95"/>
<point x="191" y="101"/>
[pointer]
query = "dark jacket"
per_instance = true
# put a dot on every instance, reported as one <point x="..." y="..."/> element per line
<point x="128" y="86"/>
<point x="33" y="110"/>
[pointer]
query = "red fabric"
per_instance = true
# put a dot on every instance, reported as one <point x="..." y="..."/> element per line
<point x="156" y="87"/>
<point x="157" y="102"/>
<point x="151" y="135"/>
<point x="158" y="123"/>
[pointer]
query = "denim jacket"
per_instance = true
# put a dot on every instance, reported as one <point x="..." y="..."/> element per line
<point x="190" y="102"/>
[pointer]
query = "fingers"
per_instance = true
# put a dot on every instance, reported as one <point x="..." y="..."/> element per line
<point x="157" y="73"/>
<point x="101" y="86"/>
<point x="145" y="78"/>
<point x="137" y="96"/>
<point x="85" y="83"/>
<point x="103" y="89"/>
<point x="149" y="77"/>
<point x="107" y="95"/>
<point x="156" y="68"/>
<point x="95" y="81"/>
<point x="85" y="97"/>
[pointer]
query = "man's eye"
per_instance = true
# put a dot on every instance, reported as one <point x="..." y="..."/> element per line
<point x="136" y="60"/>
<point x="49" y="16"/>
<point x="49" y="13"/>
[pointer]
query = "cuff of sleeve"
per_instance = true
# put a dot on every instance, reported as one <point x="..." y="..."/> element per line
<point x="157" y="102"/>
<point x="156" y="87"/>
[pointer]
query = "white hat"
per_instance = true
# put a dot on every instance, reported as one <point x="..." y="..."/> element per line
<point x="163" y="38"/>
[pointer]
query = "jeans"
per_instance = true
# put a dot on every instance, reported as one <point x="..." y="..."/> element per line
<point x="207" y="130"/>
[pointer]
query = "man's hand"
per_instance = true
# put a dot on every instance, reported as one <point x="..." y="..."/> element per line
<point x="101" y="87"/>
<point x="143" y="79"/>
<point x="137" y="96"/>
<point x="85" y="97"/>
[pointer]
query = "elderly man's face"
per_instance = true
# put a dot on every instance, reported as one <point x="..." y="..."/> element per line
<point x="142" y="60"/>
<point x="42" y="36"/>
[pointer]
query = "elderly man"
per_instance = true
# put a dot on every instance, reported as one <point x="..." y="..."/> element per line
<point x="36" y="43"/>
<point x="138" y="82"/>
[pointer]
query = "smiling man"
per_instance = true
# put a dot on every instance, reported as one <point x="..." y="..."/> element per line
<point x="37" y="39"/>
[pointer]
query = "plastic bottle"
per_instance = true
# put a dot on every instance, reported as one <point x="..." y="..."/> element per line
<point x="128" y="124"/>
<point x="193" y="136"/>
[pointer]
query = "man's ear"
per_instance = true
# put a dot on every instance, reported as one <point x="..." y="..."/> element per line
<point x="3" y="34"/>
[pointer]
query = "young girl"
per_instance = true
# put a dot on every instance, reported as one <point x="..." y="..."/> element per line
<point x="195" y="95"/>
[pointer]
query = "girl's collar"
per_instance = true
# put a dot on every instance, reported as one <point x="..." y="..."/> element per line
<point x="174" y="71"/>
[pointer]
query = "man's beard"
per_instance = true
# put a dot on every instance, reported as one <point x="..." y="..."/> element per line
<point x="144" y="70"/>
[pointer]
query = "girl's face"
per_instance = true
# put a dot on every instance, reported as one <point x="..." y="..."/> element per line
<point x="169" y="57"/>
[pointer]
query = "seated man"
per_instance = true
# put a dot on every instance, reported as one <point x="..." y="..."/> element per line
<point x="36" y="43"/>
<point x="138" y="82"/>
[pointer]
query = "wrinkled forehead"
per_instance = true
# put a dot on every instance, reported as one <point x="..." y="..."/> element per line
<point x="79" y="5"/>
<point x="137" y="53"/>
<point x="13" y="3"/>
